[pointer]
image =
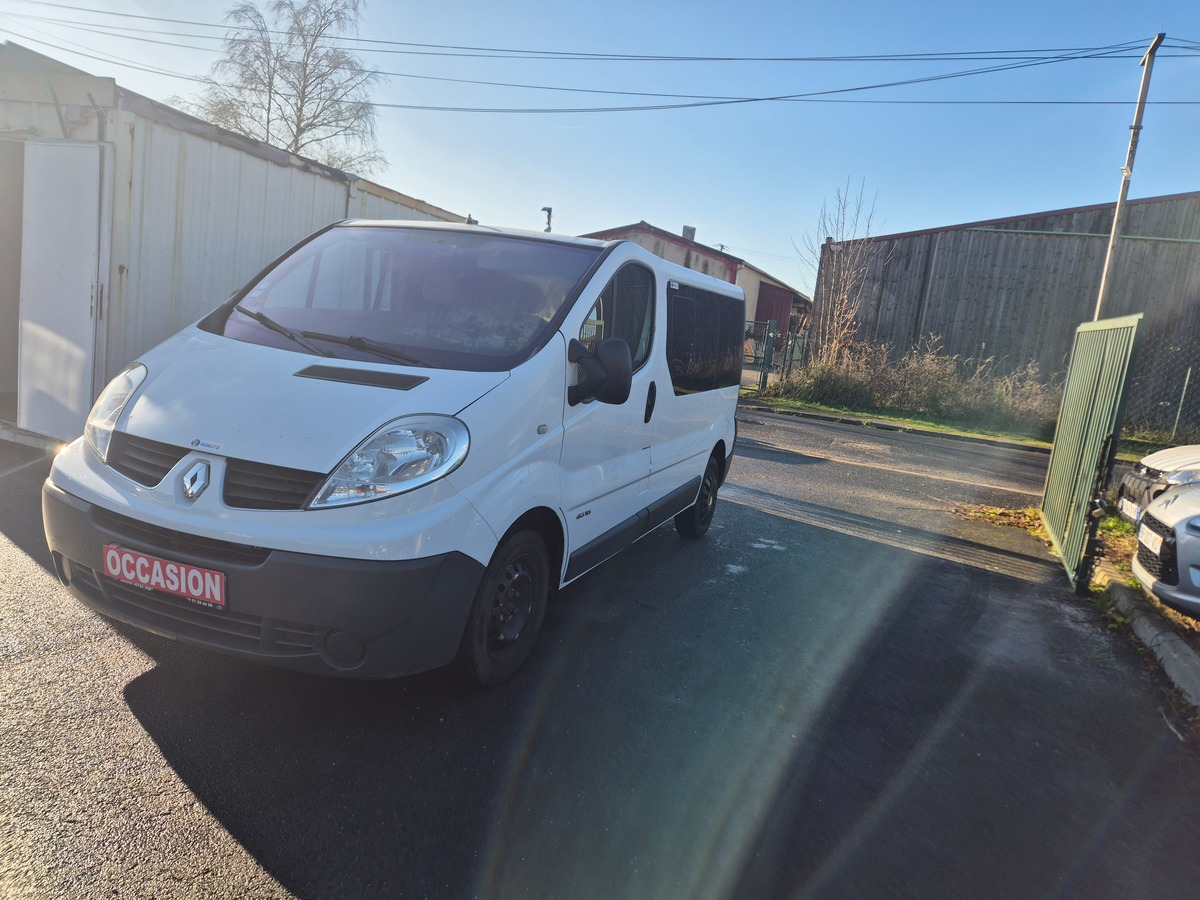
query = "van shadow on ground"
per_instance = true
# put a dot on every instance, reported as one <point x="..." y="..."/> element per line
<point x="21" y="506"/>
<point x="777" y="708"/>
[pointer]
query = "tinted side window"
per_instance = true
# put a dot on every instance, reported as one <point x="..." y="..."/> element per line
<point x="704" y="339"/>
<point x="625" y="309"/>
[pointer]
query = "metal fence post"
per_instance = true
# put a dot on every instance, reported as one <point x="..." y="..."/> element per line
<point x="768" y="352"/>
<point x="1178" y="412"/>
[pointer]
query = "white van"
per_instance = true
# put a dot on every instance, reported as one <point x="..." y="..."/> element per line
<point x="384" y="453"/>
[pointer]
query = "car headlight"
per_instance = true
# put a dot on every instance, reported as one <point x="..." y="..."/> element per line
<point x="402" y="455"/>
<point x="108" y="406"/>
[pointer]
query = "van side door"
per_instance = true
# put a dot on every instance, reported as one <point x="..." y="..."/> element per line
<point x="605" y="464"/>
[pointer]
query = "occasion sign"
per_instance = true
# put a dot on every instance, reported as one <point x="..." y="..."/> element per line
<point x="203" y="586"/>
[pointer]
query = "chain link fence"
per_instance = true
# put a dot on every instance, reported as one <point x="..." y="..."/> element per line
<point x="1164" y="398"/>
<point x="769" y="354"/>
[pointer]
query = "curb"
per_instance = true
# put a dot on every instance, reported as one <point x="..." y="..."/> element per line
<point x="891" y="426"/>
<point x="1179" y="661"/>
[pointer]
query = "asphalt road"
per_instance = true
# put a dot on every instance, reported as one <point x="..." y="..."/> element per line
<point x="844" y="690"/>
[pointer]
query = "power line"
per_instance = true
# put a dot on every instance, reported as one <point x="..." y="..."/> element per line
<point x="731" y="101"/>
<point x="1129" y="49"/>
<point x="573" y="90"/>
<point x="121" y="31"/>
<point x="687" y="100"/>
<point x="111" y="60"/>
<point x="700" y="100"/>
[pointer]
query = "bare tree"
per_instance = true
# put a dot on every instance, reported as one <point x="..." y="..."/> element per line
<point x="841" y="261"/>
<point x="285" y="80"/>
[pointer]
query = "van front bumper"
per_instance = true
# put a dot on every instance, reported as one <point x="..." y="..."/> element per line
<point x="318" y="614"/>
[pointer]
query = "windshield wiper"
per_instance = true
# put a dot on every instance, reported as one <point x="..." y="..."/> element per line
<point x="363" y="343"/>
<point x="267" y="322"/>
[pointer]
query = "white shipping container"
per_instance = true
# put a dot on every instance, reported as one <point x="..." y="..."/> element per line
<point x="166" y="216"/>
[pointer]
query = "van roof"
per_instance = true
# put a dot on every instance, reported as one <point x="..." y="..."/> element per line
<point x="673" y="271"/>
<point x="551" y="237"/>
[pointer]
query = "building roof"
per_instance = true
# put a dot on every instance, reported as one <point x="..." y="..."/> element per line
<point x="1024" y="217"/>
<point x="15" y="58"/>
<point x="612" y="233"/>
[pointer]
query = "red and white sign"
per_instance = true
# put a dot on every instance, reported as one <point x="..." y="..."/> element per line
<point x="203" y="586"/>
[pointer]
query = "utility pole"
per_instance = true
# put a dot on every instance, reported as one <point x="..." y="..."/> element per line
<point x="549" y="211"/>
<point x="1110" y="258"/>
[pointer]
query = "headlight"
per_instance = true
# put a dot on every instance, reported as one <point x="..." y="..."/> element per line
<point x="107" y="409"/>
<point x="403" y="455"/>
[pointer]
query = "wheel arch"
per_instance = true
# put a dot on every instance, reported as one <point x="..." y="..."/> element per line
<point x="721" y="455"/>
<point x="545" y="522"/>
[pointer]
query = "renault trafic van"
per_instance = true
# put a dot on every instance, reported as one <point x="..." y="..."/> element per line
<point x="385" y="452"/>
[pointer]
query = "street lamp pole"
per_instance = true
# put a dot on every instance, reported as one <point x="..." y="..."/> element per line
<point x="1126" y="174"/>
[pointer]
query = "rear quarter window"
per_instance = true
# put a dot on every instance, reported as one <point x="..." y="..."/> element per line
<point x="704" y="339"/>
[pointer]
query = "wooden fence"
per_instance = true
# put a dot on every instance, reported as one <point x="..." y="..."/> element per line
<point x="1015" y="290"/>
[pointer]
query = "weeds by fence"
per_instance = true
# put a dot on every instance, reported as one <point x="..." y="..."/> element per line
<point x="926" y="383"/>
<point x="1163" y="407"/>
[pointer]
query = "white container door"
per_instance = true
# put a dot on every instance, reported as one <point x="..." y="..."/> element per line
<point x="64" y="265"/>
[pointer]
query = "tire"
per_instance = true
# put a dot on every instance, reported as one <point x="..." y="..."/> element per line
<point x="508" y="610"/>
<point x="693" y="522"/>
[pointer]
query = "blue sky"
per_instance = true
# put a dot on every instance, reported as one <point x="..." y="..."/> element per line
<point x="750" y="176"/>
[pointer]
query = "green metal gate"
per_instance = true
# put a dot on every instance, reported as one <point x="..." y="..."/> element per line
<point x="759" y="349"/>
<point x="1085" y="439"/>
<point x="767" y="350"/>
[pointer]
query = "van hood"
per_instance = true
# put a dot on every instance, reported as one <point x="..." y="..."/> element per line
<point x="279" y="407"/>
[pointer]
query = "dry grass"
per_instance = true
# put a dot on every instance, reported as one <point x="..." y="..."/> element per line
<point x="1028" y="518"/>
<point x="927" y="384"/>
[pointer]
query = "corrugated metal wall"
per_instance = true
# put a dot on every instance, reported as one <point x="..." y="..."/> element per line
<point x="195" y="218"/>
<point x="49" y="104"/>
<point x="372" y="201"/>
<point x="195" y="211"/>
<point x="1017" y="289"/>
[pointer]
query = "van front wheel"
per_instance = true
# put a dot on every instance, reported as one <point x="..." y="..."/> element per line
<point x="508" y="610"/>
<point x="693" y="522"/>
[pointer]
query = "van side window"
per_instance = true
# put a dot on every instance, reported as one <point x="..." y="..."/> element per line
<point x="704" y="339"/>
<point x="624" y="310"/>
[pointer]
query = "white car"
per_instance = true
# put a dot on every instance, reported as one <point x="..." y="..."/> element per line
<point x="1167" y="562"/>
<point x="386" y="451"/>
<point x="1154" y="475"/>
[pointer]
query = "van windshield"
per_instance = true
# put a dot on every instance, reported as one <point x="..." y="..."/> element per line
<point x="409" y="296"/>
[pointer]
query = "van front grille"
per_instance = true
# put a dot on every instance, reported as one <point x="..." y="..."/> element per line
<point x="142" y="460"/>
<point x="250" y="485"/>
<point x="142" y="536"/>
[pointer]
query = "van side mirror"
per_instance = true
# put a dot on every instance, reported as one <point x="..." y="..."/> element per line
<point x="606" y="374"/>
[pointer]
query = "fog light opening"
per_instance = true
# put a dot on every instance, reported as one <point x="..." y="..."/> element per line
<point x="344" y="649"/>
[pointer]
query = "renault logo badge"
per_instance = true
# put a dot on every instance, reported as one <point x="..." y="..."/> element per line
<point x="196" y="480"/>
